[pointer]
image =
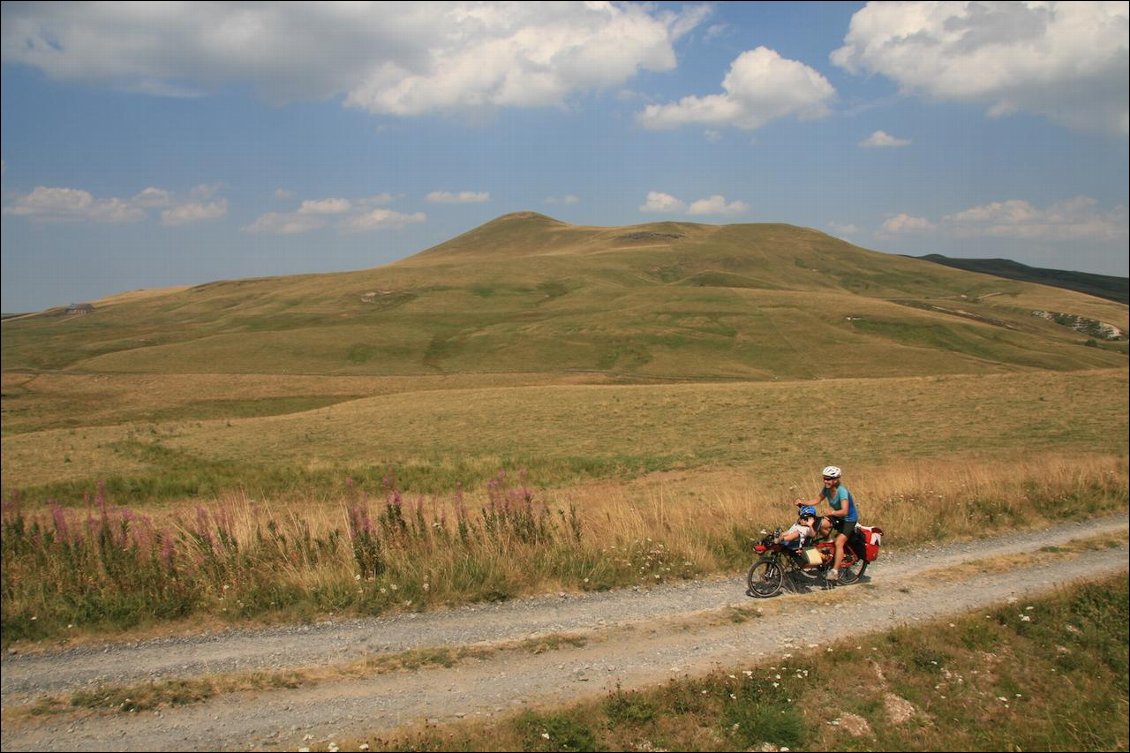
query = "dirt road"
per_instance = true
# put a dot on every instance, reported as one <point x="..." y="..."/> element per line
<point x="631" y="638"/>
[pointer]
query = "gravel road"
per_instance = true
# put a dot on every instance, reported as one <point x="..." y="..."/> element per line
<point x="632" y="638"/>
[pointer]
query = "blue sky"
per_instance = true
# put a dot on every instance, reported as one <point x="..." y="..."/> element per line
<point x="147" y="145"/>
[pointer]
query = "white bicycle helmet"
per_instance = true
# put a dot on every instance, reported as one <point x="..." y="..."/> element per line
<point x="832" y="472"/>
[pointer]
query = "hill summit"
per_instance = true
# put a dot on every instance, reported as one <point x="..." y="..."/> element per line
<point x="665" y="300"/>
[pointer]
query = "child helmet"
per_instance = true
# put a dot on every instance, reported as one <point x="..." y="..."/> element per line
<point x="808" y="511"/>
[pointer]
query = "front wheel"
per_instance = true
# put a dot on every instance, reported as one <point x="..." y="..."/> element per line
<point x="852" y="567"/>
<point x="764" y="578"/>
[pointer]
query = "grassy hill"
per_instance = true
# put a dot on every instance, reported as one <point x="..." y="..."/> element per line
<point x="527" y="293"/>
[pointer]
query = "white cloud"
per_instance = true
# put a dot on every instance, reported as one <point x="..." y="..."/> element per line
<point x="77" y="205"/>
<point x="463" y="197"/>
<point x="882" y="139"/>
<point x="187" y="214"/>
<point x="1066" y="61"/>
<point x="1077" y="218"/>
<point x="717" y="205"/>
<point x="904" y="223"/>
<point x="49" y="204"/>
<point x="381" y="219"/>
<point x="285" y="223"/>
<point x="663" y="202"/>
<point x="325" y="206"/>
<point x="760" y="87"/>
<point x="391" y="58"/>
<point x="343" y="214"/>
<point x="153" y="197"/>
<point x="283" y="195"/>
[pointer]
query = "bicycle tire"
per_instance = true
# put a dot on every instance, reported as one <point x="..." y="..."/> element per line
<point x="764" y="578"/>
<point x="852" y="567"/>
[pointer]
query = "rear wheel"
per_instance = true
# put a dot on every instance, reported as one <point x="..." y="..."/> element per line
<point x="764" y="578"/>
<point x="851" y="568"/>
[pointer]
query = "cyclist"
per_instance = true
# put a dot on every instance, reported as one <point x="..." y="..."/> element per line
<point x="843" y="516"/>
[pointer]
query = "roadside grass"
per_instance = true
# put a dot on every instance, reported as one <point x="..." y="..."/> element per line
<point x="107" y="569"/>
<point x="113" y="699"/>
<point x="1041" y="674"/>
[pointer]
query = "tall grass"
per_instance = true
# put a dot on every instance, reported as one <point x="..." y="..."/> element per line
<point x="104" y="567"/>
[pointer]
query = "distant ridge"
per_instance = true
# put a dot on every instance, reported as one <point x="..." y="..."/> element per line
<point x="1108" y="287"/>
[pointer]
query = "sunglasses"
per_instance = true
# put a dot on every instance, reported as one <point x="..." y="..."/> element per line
<point x="830" y="479"/>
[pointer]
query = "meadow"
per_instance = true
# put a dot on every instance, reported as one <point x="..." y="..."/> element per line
<point x="390" y="495"/>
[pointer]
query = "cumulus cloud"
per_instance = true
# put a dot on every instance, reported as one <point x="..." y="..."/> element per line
<point x="187" y="214"/>
<point x="1075" y="219"/>
<point x="51" y="204"/>
<point x="346" y="215"/>
<point x="376" y="199"/>
<point x="325" y="206"/>
<point x="463" y="197"/>
<point x="665" y="203"/>
<point x="761" y="86"/>
<point x="882" y="139"/>
<point x="717" y="204"/>
<point x="904" y="223"/>
<point x="61" y="204"/>
<point x="1065" y="61"/>
<point x="381" y="219"/>
<point x="389" y="58"/>
<point x="153" y="197"/>
<point x="285" y="223"/>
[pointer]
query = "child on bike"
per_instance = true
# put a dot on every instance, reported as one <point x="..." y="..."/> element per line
<point x="803" y="530"/>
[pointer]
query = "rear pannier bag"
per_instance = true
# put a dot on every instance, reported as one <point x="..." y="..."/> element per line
<point x="872" y="537"/>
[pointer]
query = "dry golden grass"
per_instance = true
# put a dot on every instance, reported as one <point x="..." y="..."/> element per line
<point x="244" y="557"/>
<point x="774" y="432"/>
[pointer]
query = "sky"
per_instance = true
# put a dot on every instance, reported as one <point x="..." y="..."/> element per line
<point x="148" y="145"/>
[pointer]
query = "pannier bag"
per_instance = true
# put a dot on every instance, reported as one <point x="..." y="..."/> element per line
<point x="812" y="556"/>
<point x="872" y="537"/>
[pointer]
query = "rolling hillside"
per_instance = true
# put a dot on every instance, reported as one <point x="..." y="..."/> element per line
<point x="528" y="294"/>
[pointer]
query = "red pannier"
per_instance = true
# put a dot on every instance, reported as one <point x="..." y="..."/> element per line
<point x="872" y="537"/>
